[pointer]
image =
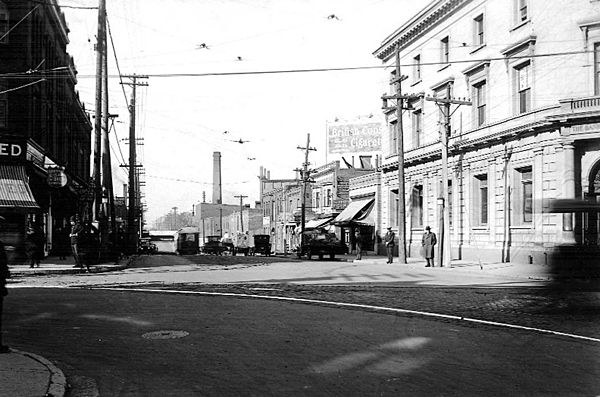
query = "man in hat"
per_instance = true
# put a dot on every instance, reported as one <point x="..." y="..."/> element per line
<point x="4" y="274"/>
<point x="76" y="231"/>
<point x="388" y="239"/>
<point x="428" y="241"/>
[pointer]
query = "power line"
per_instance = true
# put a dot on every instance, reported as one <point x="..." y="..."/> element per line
<point x="112" y="42"/>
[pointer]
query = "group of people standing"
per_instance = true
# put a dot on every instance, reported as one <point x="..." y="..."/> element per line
<point x="428" y="242"/>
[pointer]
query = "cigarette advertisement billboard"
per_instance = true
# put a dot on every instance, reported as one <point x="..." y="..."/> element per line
<point x="354" y="137"/>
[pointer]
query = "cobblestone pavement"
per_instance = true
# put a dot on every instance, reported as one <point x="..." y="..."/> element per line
<point x="557" y="309"/>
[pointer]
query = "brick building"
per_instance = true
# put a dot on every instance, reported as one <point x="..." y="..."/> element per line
<point x="43" y="124"/>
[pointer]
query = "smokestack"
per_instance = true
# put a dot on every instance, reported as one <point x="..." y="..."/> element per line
<point x="216" y="196"/>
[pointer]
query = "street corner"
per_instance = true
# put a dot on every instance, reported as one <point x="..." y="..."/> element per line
<point x="27" y="374"/>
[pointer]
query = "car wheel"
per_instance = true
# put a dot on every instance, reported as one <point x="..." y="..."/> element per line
<point x="331" y="256"/>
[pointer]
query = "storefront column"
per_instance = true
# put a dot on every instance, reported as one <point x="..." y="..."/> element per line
<point x="467" y="203"/>
<point x="538" y="189"/>
<point x="567" y="183"/>
<point x="492" y="210"/>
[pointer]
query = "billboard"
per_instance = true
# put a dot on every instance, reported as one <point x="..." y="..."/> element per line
<point x="354" y="137"/>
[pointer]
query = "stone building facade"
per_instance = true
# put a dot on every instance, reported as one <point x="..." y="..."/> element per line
<point x="531" y="70"/>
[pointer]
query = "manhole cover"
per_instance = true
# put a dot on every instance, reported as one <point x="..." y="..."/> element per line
<point x="165" y="334"/>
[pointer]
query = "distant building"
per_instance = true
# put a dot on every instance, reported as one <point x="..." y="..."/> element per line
<point x="531" y="135"/>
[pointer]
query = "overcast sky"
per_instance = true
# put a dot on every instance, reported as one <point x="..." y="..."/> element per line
<point x="183" y="119"/>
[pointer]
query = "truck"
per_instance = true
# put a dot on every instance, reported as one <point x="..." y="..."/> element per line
<point x="320" y="242"/>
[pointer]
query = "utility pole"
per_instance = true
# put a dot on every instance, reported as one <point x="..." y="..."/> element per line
<point x="132" y="212"/>
<point x="444" y="105"/>
<point x="100" y="54"/>
<point x="399" y="108"/>
<point x="305" y="180"/>
<point x="241" y="197"/>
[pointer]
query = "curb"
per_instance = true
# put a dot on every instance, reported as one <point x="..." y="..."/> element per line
<point x="57" y="384"/>
<point x="103" y="268"/>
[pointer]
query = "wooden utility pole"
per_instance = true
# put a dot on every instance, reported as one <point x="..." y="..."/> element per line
<point x="305" y="180"/>
<point x="241" y="197"/>
<point x="399" y="108"/>
<point x="133" y="210"/>
<point x="444" y="232"/>
<point x="100" y="54"/>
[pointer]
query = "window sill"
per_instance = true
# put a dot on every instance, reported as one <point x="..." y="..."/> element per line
<point x="480" y="229"/>
<point x="520" y="24"/>
<point x="522" y="227"/>
<point x="414" y="83"/>
<point x="477" y="49"/>
<point x="446" y="66"/>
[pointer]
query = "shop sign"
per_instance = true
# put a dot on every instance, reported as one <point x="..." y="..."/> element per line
<point x="354" y="137"/>
<point x="12" y="149"/>
<point x="56" y="178"/>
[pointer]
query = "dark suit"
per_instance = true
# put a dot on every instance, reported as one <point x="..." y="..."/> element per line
<point x="388" y="239"/>
<point x="429" y="241"/>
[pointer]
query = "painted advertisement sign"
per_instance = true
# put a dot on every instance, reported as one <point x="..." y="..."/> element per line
<point x="354" y="137"/>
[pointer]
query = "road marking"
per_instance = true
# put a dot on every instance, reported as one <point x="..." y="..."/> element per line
<point x="358" y="306"/>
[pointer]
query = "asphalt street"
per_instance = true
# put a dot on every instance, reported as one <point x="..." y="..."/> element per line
<point x="157" y="344"/>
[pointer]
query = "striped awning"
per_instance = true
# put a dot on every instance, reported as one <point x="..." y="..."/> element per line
<point x="358" y="211"/>
<point x="14" y="188"/>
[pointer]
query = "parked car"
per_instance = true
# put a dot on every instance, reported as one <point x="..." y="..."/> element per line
<point x="213" y="246"/>
<point x="262" y="244"/>
<point x="146" y="247"/>
<point x="320" y="242"/>
<point x="241" y="244"/>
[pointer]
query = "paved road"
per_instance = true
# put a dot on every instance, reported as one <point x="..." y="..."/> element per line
<point x="258" y="348"/>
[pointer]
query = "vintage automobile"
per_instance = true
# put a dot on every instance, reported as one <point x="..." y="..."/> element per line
<point x="146" y="247"/>
<point x="241" y="244"/>
<point x="213" y="246"/>
<point x="262" y="244"/>
<point x="320" y="242"/>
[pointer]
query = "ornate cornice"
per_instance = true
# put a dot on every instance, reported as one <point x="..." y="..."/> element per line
<point x="418" y="25"/>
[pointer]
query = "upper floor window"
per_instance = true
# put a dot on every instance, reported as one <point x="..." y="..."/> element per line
<point x="4" y="26"/>
<point x="365" y="162"/>
<point x="596" y="68"/>
<point x="478" y="31"/>
<point x="393" y="138"/>
<point x="445" y="50"/>
<point x="317" y="200"/>
<point x="479" y="102"/>
<point x="417" y="128"/>
<point x="523" y="87"/>
<point x="521" y="10"/>
<point x="417" y="68"/>
<point x="328" y="198"/>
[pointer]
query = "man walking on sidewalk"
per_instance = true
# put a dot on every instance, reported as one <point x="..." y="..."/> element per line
<point x="76" y="230"/>
<point x="388" y="239"/>
<point x="428" y="241"/>
<point x="359" y="243"/>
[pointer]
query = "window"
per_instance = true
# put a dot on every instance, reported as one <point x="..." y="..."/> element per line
<point x="4" y="26"/>
<point x="445" y="50"/>
<point x="328" y="198"/>
<point x="449" y="205"/>
<point x="479" y="103"/>
<point x="523" y="85"/>
<point x="393" y="138"/>
<point x="417" y="128"/>
<point x="479" y="38"/>
<point x="416" y="214"/>
<point x="596" y="68"/>
<point x="522" y="197"/>
<point x="365" y="162"/>
<point x="317" y="200"/>
<point x="3" y="104"/>
<point x="417" y="68"/>
<point x="521" y="10"/>
<point x="393" y="206"/>
<point x="481" y="200"/>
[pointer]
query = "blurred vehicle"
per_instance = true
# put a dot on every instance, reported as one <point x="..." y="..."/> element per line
<point x="241" y="244"/>
<point x="213" y="246"/>
<point x="320" y="242"/>
<point x="262" y="244"/>
<point x="146" y="247"/>
<point x="188" y="241"/>
<point x="227" y="243"/>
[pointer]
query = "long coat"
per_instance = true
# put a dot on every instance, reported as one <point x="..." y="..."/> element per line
<point x="428" y="241"/>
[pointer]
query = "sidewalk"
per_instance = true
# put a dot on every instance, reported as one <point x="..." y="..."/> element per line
<point x="54" y="265"/>
<point x="25" y="374"/>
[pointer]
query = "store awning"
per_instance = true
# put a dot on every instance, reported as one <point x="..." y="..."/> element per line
<point x="358" y="211"/>
<point x="315" y="223"/>
<point x="14" y="188"/>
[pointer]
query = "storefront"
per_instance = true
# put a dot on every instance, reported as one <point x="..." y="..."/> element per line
<point x="358" y="215"/>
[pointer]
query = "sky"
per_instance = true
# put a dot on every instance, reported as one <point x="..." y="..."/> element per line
<point x="183" y="119"/>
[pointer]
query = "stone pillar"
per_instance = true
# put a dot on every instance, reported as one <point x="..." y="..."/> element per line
<point x="566" y="180"/>
<point x="538" y="190"/>
<point x="492" y="193"/>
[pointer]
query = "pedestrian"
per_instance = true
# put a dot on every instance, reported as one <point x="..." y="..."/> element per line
<point x="90" y="245"/>
<point x="4" y="275"/>
<point x="62" y="242"/>
<point x="76" y="230"/>
<point x="428" y="242"/>
<point x="34" y="245"/>
<point x="359" y="243"/>
<point x="388" y="239"/>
